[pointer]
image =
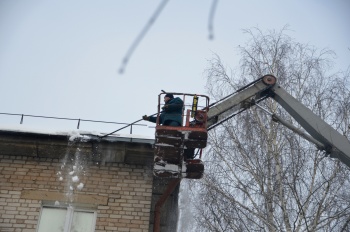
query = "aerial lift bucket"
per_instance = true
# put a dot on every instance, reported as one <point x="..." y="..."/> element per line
<point x="174" y="145"/>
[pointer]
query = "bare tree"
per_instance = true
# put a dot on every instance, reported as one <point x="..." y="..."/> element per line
<point x="259" y="175"/>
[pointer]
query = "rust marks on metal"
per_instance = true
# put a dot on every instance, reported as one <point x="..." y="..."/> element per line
<point x="194" y="169"/>
<point x="170" y="144"/>
<point x="168" y="141"/>
<point x="169" y="154"/>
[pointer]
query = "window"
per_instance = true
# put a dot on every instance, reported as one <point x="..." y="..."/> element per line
<point x="66" y="219"/>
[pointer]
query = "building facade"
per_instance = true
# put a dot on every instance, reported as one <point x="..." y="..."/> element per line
<point x="74" y="182"/>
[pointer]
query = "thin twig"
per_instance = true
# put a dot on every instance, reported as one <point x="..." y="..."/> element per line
<point x="141" y="35"/>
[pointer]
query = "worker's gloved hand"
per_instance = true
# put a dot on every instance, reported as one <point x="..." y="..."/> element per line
<point x="145" y="117"/>
<point x="165" y="107"/>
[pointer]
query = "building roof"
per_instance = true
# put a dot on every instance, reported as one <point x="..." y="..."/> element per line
<point x="130" y="149"/>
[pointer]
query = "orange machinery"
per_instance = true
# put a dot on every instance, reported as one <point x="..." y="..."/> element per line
<point x="175" y="147"/>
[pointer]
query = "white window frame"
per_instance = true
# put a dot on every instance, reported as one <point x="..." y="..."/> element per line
<point x="71" y="208"/>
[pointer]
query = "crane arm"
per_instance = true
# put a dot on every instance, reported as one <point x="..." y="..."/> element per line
<point x="242" y="99"/>
<point x="321" y="134"/>
<point x="335" y="144"/>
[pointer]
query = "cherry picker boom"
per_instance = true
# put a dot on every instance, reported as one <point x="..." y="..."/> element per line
<point x="174" y="144"/>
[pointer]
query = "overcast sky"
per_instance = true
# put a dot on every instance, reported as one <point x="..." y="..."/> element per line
<point x="61" y="58"/>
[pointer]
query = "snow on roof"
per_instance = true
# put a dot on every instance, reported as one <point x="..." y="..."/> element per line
<point x="72" y="134"/>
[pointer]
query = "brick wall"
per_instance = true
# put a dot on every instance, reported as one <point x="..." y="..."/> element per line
<point x="120" y="193"/>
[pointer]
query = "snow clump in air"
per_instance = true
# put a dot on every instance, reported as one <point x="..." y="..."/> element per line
<point x="80" y="186"/>
<point x="75" y="178"/>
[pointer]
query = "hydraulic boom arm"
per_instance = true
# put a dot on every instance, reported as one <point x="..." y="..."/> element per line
<point x="323" y="135"/>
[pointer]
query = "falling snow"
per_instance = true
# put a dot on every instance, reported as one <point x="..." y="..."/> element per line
<point x="74" y="135"/>
<point x="80" y="186"/>
<point x="75" y="178"/>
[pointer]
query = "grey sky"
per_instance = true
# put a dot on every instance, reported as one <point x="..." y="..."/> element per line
<point x="61" y="58"/>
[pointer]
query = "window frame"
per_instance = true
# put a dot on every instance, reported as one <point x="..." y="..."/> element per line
<point x="71" y="208"/>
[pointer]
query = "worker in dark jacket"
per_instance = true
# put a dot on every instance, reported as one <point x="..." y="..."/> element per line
<point x="171" y="114"/>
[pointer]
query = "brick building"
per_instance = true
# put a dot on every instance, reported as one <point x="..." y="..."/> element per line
<point x="73" y="182"/>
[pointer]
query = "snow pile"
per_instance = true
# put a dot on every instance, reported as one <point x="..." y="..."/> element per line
<point x="186" y="134"/>
<point x="166" y="168"/>
<point x="163" y="145"/>
<point x="75" y="135"/>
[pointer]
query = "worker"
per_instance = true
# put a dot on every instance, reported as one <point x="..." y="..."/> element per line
<point x="171" y="114"/>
